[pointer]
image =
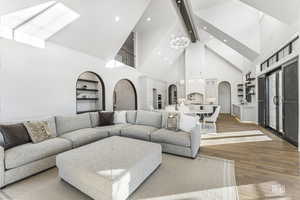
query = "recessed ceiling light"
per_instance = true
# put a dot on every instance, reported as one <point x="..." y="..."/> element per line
<point x="117" y="18"/>
<point x="149" y="19"/>
<point x="204" y="27"/>
<point x="225" y="40"/>
<point x="179" y="1"/>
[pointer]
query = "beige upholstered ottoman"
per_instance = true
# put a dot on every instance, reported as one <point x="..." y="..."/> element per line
<point x="111" y="168"/>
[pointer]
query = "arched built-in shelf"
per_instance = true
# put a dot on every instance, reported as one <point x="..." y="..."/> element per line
<point x="173" y="94"/>
<point x="90" y="93"/>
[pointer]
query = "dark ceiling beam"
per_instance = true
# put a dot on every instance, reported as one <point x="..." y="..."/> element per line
<point x="183" y="9"/>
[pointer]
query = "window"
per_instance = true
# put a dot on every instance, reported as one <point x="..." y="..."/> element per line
<point x="294" y="45"/>
<point x="126" y="54"/>
<point x="264" y="66"/>
<point x="273" y="60"/>
<point x="36" y="24"/>
<point x="285" y="51"/>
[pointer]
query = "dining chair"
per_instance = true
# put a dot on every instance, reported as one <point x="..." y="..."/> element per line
<point x="214" y="117"/>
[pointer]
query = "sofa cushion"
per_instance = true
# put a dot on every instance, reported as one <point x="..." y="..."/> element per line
<point x="67" y="124"/>
<point x="179" y="138"/>
<point x="106" y="118"/>
<point x="94" y="119"/>
<point x="14" y="135"/>
<point x="27" y="153"/>
<point x="120" y="117"/>
<point x="138" y="132"/>
<point x="85" y="136"/>
<point x="113" y="130"/>
<point x="149" y="118"/>
<point x="131" y="117"/>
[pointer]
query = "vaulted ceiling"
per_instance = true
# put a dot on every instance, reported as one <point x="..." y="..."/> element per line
<point x="96" y="32"/>
<point x="286" y="11"/>
<point x="231" y="28"/>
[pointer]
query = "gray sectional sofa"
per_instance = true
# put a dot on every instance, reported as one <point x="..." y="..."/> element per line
<point x="74" y="131"/>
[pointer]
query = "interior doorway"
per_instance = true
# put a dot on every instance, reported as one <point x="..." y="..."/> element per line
<point x="125" y="96"/>
<point x="224" y="93"/>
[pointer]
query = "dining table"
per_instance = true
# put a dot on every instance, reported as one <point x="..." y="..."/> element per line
<point x="200" y="113"/>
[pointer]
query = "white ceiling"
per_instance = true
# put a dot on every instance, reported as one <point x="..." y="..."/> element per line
<point x="286" y="11"/>
<point x="228" y="54"/>
<point x="232" y="21"/>
<point x="96" y="32"/>
<point x="155" y="56"/>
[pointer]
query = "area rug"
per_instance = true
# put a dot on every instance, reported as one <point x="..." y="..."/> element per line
<point x="233" y="137"/>
<point x="203" y="178"/>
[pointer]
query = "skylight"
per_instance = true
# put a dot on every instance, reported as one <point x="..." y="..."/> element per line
<point x="35" y="25"/>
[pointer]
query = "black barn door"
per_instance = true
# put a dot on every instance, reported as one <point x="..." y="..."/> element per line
<point x="262" y="101"/>
<point x="290" y="101"/>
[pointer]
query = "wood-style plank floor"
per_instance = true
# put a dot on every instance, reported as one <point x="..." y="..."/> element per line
<point x="267" y="170"/>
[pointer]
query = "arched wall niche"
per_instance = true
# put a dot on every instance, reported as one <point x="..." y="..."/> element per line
<point x="90" y="93"/>
<point x="172" y="94"/>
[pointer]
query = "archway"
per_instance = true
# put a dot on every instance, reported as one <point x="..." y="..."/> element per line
<point x="224" y="96"/>
<point x="172" y="90"/>
<point x="90" y="93"/>
<point x="196" y="97"/>
<point x="125" y="96"/>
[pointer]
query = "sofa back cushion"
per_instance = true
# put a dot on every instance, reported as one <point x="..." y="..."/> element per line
<point x="94" y="119"/>
<point x="149" y="118"/>
<point x="131" y="117"/>
<point x="14" y="135"/>
<point x="67" y="124"/>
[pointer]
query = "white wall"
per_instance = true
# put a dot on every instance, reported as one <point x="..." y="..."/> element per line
<point x="41" y="82"/>
<point x="147" y="85"/>
<point x="176" y="70"/>
<point x="274" y="34"/>
<point x="203" y="63"/>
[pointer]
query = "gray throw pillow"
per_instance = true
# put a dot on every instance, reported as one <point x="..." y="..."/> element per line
<point x="106" y="118"/>
<point x="38" y="131"/>
<point x="14" y="135"/>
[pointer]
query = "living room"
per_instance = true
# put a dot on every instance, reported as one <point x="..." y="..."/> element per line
<point x="113" y="100"/>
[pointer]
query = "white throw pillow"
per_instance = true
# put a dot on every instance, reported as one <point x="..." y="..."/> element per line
<point x="120" y="117"/>
<point x="187" y="122"/>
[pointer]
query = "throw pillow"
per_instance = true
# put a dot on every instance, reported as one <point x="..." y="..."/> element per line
<point x="106" y="118"/>
<point x="38" y="131"/>
<point x="14" y="135"/>
<point x="120" y="117"/>
<point x="187" y="122"/>
<point x="173" y="121"/>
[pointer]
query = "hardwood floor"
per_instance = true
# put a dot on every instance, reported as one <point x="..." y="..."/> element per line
<point x="268" y="170"/>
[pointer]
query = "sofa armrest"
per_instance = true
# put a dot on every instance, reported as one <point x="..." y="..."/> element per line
<point x="2" y="167"/>
<point x="196" y="139"/>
